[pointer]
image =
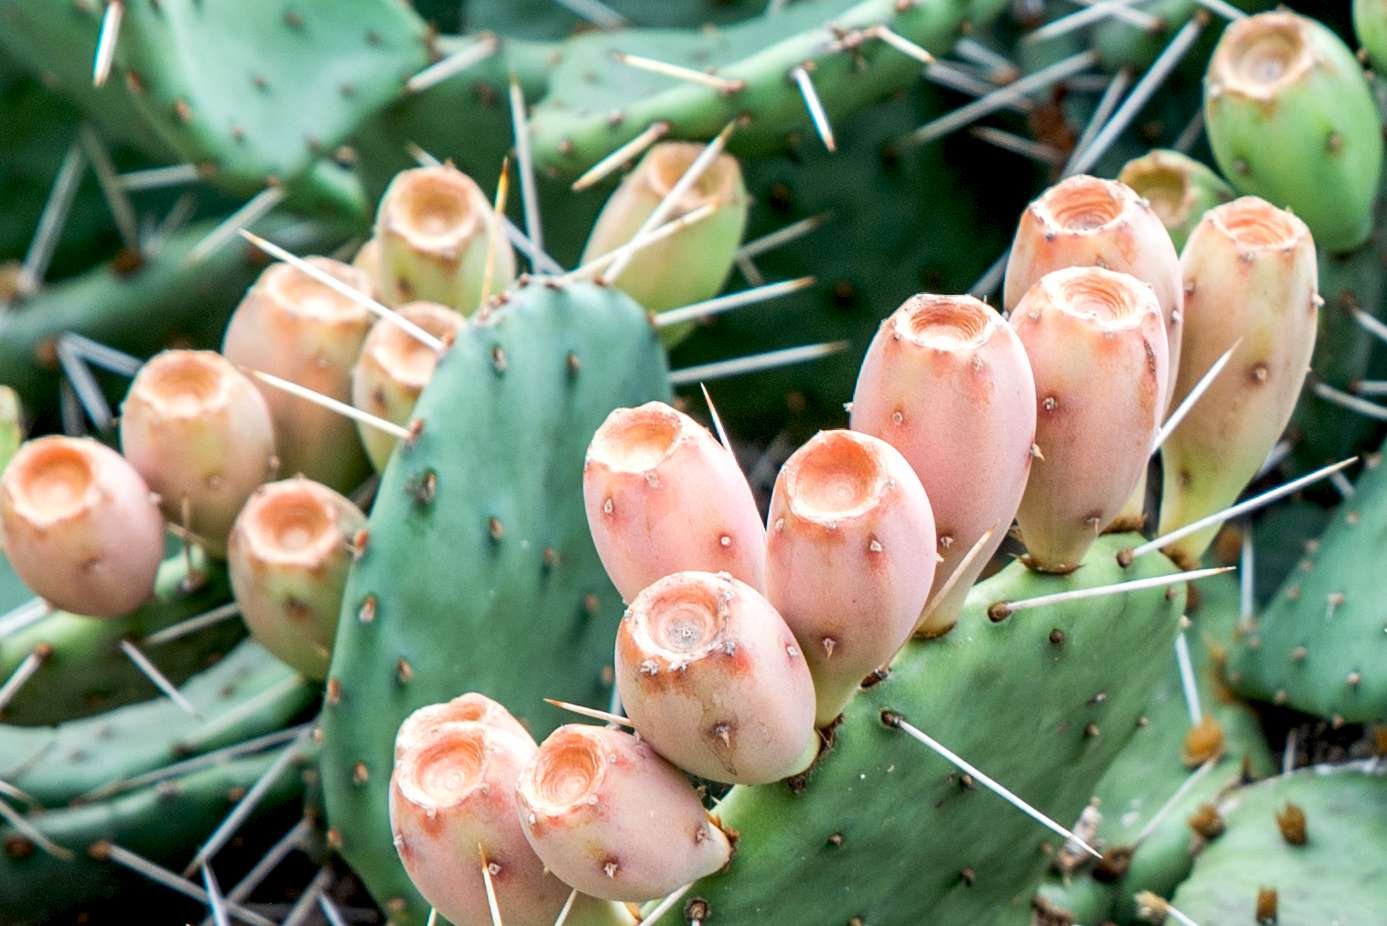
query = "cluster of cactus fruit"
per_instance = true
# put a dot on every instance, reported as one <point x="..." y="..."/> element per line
<point x="454" y="504"/>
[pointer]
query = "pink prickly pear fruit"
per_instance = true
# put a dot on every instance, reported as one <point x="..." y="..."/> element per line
<point x="663" y="496"/>
<point x="1084" y="221"/>
<point x="200" y="434"/>
<point x="471" y="707"/>
<point x="612" y="818"/>
<point x="80" y="527"/>
<point x="435" y="229"/>
<point x="692" y="264"/>
<point x="296" y="328"/>
<point x="393" y="369"/>
<point x="453" y="803"/>
<point x="712" y="677"/>
<point x="289" y="553"/>
<point x="850" y="558"/>
<point x="948" y="384"/>
<point x="1097" y="345"/>
<point x="1250" y="273"/>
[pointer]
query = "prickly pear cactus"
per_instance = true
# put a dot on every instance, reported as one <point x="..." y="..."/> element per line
<point x="1068" y="680"/>
<point x="1319" y="646"/>
<point x="1293" y="853"/>
<point x="477" y="563"/>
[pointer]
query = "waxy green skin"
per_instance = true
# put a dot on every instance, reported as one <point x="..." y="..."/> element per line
<point x="1319" y="646"/>
<point x="163" y="822"/>
<point x="246" y="694"/>
<point x="492" y="484"/>
<point x="87" y="672"/>
<point x="1335" y="877"/>
<point x="883" y="830"/>
<point x="1152" y="767"/>
<point x="1314" y="147"/>
<point x="1370" y="23"/>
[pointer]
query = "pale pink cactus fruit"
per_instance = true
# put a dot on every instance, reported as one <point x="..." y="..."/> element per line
<point x="850" y="558"/>
<point x="367" y="260"/>
<point x="472" y="706"/>
<point x="393" y="369"/>
<point x="1084" y="221"/>
<point x="80" y="527"/>
<point x="712" y="677"/>
<point x="947" y="382"/>
<point x="453" y="803"/>
<point x="289" y="554"/>
<point x="1251" y="278"/>
<point x="200" y="434"/>
<point x="297" y="328"/>
<point x="436" y="230"/>
<point x="1098" y="351"/>
<point x="612" y="818"/>
<point x="663" y="496"/>
<point x="692" y="264"/>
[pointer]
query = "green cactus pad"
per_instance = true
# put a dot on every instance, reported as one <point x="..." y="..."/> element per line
<point x="884" y="829"/>
<point x="595" y="104"/>
<point x="1334" y="877"/>
<point x="1152" y="767"/>
<point x="1313" y="143"/>
<point x="246" y="694"/>
<point x="163" y="822"/>
<point x="86" y="672"/>
<point x="320" y="69"/>
<point x="1321" y="645"/>
<point x="478" y="572"/>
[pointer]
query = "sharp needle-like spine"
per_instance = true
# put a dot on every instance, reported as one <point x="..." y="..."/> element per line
<point x="783" y="236"/>
<point x="98" y="354"/>
<point x="664" y="906"/>
<point x="52" y="220"/>
<point x="529" y="193"/>
<point x="491" y="904"/>
<point x="594" y="713"/>
<point x="896" y="720"/>
<point x="334" y="915"/>
<point x="717" y="420"/>
<point x="214" y="897"/>
<point x="24" y="827"/>
<point x="1003" y="609"/>
<point x="1247" y="572"/>
<point x="598" y="264"/>
<point x="160" y="875"/>
<point x="567" y="906"/>
<point x="737" y="366"/>
<point x="1241" y="508"/>
<point x="255" y="208"/>
<point x="963" y="566"/>
<point x="679" y="72"/>
<point x="1160" y="69"/>
<point x="342" y="408"/>
<point x="918" y="52"/>
<point x="1164" y="811"/>
<point x="815" y="106"/>
<point x="1026" y="147"/>
<point x="1188" y="403"/>
<point x="24" y="615"/>
<point x="473" y="53"/>
<point x="156" y="178"/>
<point x="193" y="624"/>
<point x="85" y="386"/>
<point x="21" y="674"/>
<point x="1077" y="20"/>
<point x="374" y="306"/>
<point x="595" y="12"/>
<point x="1227" y="10"/>
<point x="709" y="307"/>
<point x="621" y="156"/>
<point x="1373" y="326"/>
<point x="235" y="750"/>
<point x="308" y="899"/>
<point x="106" y="41"/>
<point x="498" y="210"/>
<point x="227" y="828"/>
<point x="1187" y="683"/>
<point x="161" y="681"/>
<point x="117" y="199"/>
<point x="1112" y="95"/>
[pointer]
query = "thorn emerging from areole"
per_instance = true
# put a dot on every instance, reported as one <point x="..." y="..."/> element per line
<point x="459" y="61"/>
<point x="29" y="831"/>
<point x="754" y="363"/>
<point x="1003" y="609"/>
<point x="904" y="45"/>
<point x="328" y="402"/>
<point x="529" y="194"/>
<point x="679" y="72"/>
<point x="106" y="41"/>
<point x="98" y="354"/>
<point x="892" y="719"/>
<point x="499" y="212"/>
<point x="374" y="306"/>
<point x="1187" y="683"/>
<point x="620" y="157"/>
<point x="255" y="208"/>
<point x="1241" y="508"/>
<point x="709" y="307"/>
<point x="1158" y="908"/>
<point x="815" y="107"/>
<point x="490" y="888"/>
<point x="594" y="713"/>
<point x="161" y="681"/>
<point x="1159" y="816"/>
<point x="1201" y="387"/>
<point x="85" y="386"/>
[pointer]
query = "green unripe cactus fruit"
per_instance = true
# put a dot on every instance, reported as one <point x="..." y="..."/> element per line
<point x="1291" y="119"/>
<point x="435" y="233"/>
<point x="289" y="554"/>
<point x="11" y="425"/>
<point x="1178" y="188"/>
<point x="1370" y="22"/>
<point x="692" y="264"/>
